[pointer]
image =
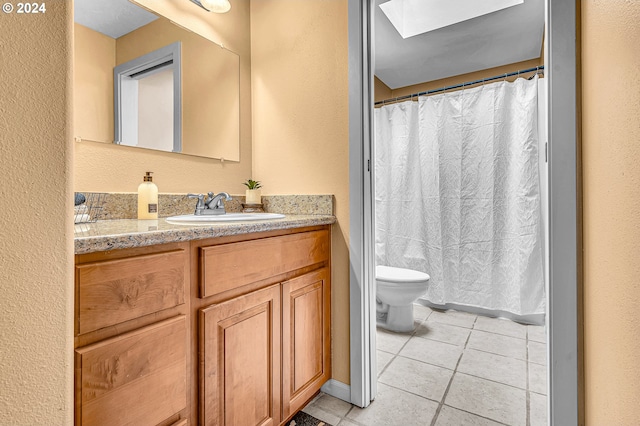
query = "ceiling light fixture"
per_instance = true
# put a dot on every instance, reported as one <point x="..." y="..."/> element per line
<point x="215" y="6"/>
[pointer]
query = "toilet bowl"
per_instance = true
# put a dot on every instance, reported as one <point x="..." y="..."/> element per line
<point x="397" y="289"/>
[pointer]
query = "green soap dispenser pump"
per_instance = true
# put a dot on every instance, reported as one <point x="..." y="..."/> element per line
<point x="148" y="198"/>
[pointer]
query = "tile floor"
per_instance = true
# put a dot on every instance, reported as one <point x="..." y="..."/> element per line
<point x="455" y="369"/>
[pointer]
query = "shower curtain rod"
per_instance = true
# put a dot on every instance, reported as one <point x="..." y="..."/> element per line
<point x="537" y="69"/>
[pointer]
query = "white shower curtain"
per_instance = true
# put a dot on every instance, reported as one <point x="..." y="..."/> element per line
<point x="458" y="196"/>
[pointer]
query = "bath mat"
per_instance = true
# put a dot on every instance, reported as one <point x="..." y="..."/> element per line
<point x="304" y="419"/>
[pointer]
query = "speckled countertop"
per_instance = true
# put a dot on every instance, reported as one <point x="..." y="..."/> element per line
<point x="127" y="233"/>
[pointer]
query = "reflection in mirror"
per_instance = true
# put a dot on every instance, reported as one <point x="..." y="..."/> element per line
<point x="148" y="100"/>
<point x="206" y="122"/>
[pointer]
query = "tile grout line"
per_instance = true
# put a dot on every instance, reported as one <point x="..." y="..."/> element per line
<point x="455" y="370"/>
<point x="379" y="373"/>
<point x="395" y="355"/>
<point x="504" y="356"/>
<point x="465" y="347"/>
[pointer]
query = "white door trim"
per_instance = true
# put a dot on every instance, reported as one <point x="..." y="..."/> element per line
<point x="563" y="302"/>
<point x="362" y="293"/>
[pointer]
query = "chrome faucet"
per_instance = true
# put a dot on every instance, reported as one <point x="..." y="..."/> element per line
<point x="212" y="206"/>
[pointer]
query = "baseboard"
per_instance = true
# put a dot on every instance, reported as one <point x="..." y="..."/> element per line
<point x="337" y="389"/>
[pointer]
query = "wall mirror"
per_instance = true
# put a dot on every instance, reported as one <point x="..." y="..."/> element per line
<point x="141" y="80"/>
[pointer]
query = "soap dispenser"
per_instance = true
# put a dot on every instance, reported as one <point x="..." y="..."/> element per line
<point x="148" y="198"/>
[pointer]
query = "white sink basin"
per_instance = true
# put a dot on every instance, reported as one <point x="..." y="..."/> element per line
<point x="191" y="219"/>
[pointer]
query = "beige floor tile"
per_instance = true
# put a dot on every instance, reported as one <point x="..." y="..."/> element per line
<point x="332" y="405"/>
<point x="450" y="416"/>
<point x="538" y="378"/>
<point x="498" y="344"/>
<point x="389" y="341"/>
<point x="395" y="407"/>
<point x="321" y="414"/>
<point x="443" y="332"/>
<point x="537" y="353"/>
<point x="417" y="377"/>
<point x="537" y="409"/>
<point x="461" y="319"/>
<point x="432" y="352"/>
<point x="501" y="326"/>
<point x="488" y="388"/>
<point x="345" y="422"/>
<point x="488" y="399"/>
<point x="382" y="359"/>
<point x="421" y="313"/>
<point x="497" y="368"/>
<point x="537" y="333"/>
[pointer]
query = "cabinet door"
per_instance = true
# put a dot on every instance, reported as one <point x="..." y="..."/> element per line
<point x="306" y="338"/>
<point x="240" y="360"/>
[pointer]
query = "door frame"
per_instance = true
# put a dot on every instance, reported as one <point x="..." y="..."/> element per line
<point x="563" y="302"/>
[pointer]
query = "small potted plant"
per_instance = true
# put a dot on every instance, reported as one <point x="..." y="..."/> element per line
<point x="252" y="194"/>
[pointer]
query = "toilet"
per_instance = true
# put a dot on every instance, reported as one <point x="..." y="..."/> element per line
<point x="397" y="289"/>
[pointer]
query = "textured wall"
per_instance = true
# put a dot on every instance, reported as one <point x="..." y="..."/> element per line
<point x="36" y="253"/>
<point x="94" y="56"/>
<point x="611" y="154"/>
<point x="381" y="91"/>
<point x="464" y="78"/>
<point x="300" y="123"/>
<point x="110" y="168"/>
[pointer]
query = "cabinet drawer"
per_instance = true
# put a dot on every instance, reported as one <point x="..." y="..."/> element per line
<point x="137" y="378"/>
<point x="228" y="266"/>
<point x="114" y="291"/>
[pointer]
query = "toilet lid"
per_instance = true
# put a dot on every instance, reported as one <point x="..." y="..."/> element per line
<point x="399" y="275"/>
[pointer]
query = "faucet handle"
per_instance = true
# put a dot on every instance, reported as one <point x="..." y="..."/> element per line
<point x="198" y="196"/>
<point x="209" y="200"/>
<point x="200" y="203"/>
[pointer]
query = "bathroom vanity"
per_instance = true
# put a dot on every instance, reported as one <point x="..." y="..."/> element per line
<point x="218" y="325"/>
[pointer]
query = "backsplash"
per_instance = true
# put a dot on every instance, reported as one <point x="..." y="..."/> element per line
<point x="118" y="205"/>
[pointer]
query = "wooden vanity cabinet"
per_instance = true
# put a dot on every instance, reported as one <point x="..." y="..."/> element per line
<point x="265" y="340"/>
<point x="132" y="337"/>
<point x="225" y="331"/>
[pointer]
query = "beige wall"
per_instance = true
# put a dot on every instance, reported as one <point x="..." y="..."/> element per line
<point x="300" y="109"/>
<point x="94" y="56"/>
<point x="109" y="168"/>
<point x="36" y="250"/>
<point x="383" y="92"/>
<point x="611" y="154"/>
<point x="300" y="123"/>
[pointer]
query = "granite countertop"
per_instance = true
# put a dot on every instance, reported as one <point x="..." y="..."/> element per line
<point x="106" y="235"/>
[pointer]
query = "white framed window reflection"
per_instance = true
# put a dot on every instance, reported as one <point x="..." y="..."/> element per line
<point x="152" y="80"/>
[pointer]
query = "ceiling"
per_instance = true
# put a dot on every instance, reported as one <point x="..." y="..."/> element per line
<point x="504" y="37"/>
<point x="113" y="18"/>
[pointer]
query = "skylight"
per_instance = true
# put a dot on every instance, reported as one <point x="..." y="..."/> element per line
<point x="413" y="17"/>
